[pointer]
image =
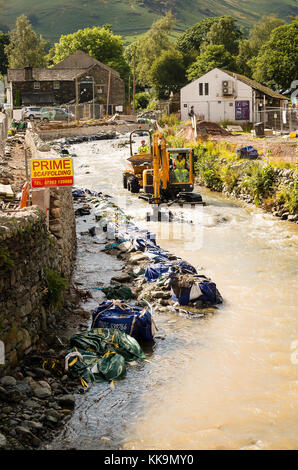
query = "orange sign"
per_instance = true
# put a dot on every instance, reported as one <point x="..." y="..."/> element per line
<point x="51" y="172"/>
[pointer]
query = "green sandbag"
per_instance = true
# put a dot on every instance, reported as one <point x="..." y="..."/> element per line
<point x="105" y="352"/>
<point x="118" y="292"/>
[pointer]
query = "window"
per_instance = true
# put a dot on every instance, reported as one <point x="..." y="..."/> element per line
<point x="206" y="88"/>
<point x="100" y="89"/>
<point x="36" y="86"/>
<point x="200" y="89"/>
<point x="56" y="85"/>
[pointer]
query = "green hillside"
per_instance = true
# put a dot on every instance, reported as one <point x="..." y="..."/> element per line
<point x="132" y="17"/>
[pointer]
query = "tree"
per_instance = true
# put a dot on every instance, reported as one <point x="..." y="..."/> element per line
<point x="244" y="57"/>
<point x="4" y="41"/>
<point x="142" y="100"/>
<point x="249" y="48"/>
<point x="260" y="33"/>
<point x="150" y="46"/>
<point x="168" y="73"/>
<point x="99" y="42"/>
<point x="25" y="48"/>
<point x="276" y="63"/>
<point x="191" y="40"/>
<point x="224" y="32"/>
<point x="213" y="56"/>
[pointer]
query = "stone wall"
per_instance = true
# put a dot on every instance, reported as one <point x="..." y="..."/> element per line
<point x="34" y="243"/>
<point x="62" y="225"/>
<point x="61" y="212"/>
<point x="52" y="134"/>
<point x="27" y="250"/>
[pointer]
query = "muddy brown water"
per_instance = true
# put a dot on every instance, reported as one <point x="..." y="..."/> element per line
<point x="226" y="381"/>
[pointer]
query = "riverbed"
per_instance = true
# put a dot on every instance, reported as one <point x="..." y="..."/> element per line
<point x="226" y="381"/>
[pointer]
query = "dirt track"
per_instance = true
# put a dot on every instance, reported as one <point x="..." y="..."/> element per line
<point x="281" y="149"/>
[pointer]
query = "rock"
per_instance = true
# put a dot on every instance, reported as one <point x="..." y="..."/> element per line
<point x="36" y="426"/>
<point x="40" y="373"/>
<point x="8" y="381"/>
<point x="42" y="390"/>
<point x="123" y="277"/>
<point x="135" y="259"/>
<point x="67" y="400"/>
<point x="159" y="294"/>
<point x="53" y="416"/>
<point x="26" y="436"/>
<point x="7" y="409"/>
<point x="31" y="404"/>
<point x="3" y="441"/>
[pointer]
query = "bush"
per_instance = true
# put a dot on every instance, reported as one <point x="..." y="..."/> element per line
<point x="142" y="100"/>
<point x="56" y="285"/>
<point x="258" y="181"/>
<point x="171" y="120"/>
<point x="230" y="176"/>
<point x="287" y="194"/>
<point x="208" y="169"/>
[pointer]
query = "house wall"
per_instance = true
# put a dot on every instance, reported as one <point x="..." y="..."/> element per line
<point x="63" y="95"/>
<point x="214" y="106"/>
<point x="67" y="90"/>
<point x="101" y="77"/>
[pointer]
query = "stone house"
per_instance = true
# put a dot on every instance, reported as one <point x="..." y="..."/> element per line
<point x="78" y="74"/>
<point x="220" y="95"/>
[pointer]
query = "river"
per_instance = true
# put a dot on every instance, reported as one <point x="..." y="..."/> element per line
<point x="226" y="381"/>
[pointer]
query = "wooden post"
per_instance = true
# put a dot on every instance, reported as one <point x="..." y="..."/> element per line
<point x="134" y="81"/>
<point x="253" y="103"/>
<point x="129" y="94"/>
<point x="108" y="95"/>
<point x="93" y="87"/>
<point x="77" y="101"/>
<point x="26" y="165"/>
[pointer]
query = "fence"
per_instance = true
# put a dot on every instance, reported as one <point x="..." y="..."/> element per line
<point x="282" y="120"/>
<point x="94" y="110"/>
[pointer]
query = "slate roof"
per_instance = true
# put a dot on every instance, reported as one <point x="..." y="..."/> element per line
<point x="255" y="85"/>
<point x="42" y="75"/>
<point x="66" y="70"/>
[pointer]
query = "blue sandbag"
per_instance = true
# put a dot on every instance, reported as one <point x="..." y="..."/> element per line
<point x="130" y="319"/>
<point x="154" y="271"/>
<point x="247" y="152"/>
<point x="199" y="289"/>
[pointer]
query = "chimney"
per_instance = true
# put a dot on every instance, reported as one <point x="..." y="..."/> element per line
<point x="28" y="73"/>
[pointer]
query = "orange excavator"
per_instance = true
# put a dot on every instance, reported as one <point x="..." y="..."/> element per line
<point x="163" y="175"/>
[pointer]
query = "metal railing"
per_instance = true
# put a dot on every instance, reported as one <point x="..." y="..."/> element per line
<point x="282" y="120"/>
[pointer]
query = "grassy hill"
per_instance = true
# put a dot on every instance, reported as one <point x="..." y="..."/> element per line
<point x="132" y="17"/>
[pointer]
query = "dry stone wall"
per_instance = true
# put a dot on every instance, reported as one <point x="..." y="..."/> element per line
<point x="32" y="244"/>
<point x="27" y="251"/>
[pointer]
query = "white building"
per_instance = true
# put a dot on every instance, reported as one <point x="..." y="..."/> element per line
<point x="220" y="96"/>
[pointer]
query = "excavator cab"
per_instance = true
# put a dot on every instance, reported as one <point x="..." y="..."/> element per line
<point x="140" y="142"/>
<point x="165" y="175"/>
<point x="172" y="176"/>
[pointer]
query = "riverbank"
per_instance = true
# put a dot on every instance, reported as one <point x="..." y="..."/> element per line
<point x="271" y="187"/>
<point x="267" y="182"/>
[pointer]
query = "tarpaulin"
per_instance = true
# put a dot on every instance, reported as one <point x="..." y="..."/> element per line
<point x="131" y="319"/>
<point x="101" y="354"/>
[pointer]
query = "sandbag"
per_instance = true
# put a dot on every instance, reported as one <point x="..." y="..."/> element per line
<point x="247" y="152"/>
<point x="118" y="292"/>
<point x="187" y="288"/>
<point x="131" y="319"/>
<point x="101" y="354"/>
<point x="155" y="271"/>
